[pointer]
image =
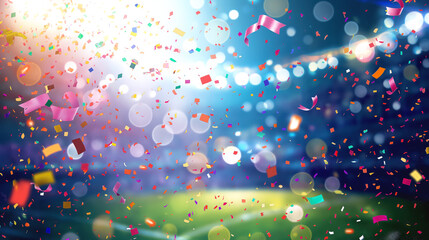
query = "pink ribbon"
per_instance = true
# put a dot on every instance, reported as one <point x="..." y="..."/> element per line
<point x="392" y="86"/>
<point x="379" y="218"/>
<point x="395" y="11"/>
<point x="314" y="99"/>
<point x="264" y="20"/>
<point x="58" y="113"/>
<point x="48" y="189"/>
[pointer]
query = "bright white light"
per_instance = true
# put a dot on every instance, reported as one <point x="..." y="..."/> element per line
<point x="321" y="64"/>
<point x="152" y="94"/>
<point x="220" y="57"/>
<point x="123" y="89"/>
<point x="188" y="45"/>
<point x="196" y="4"/>
<point x="427" y="18"/>
<point x="269" y="62"/>
<point x="298" y="71"/>
<point x="282" y="75"/>
<point x="233" y="14"/>
<point x="220" y="82"/>
<point x="291" y="31"/>
<point x="414" y="21"/>
<point x="333" y="61"/>
<point x="278" y="67"/>
<point x="388" y="22"/>
<point x="312" y="66"/>
<point x="255" y="79"/>
<point x="70" y="67"/>
<point x="241" y="78"/>
<point x="230" y="50"/>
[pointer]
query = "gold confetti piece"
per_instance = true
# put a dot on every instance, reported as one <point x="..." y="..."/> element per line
<point x="43" y="178"/>
<point x="51" y="149"/>
<point x="179" y="32"/>
<point x="416" y="175"/>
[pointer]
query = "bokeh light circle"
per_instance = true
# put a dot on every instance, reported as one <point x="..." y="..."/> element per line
<point x="196" y="4"/>
<point x="241" y="78"/>
<point x="282" y="75"/>
<point x="360" y="91"/>
<point x="70" y="67"/>
<point x="388" y="22"/>
<point x="333" y="62"/>
<point x="315" y="148"/>
<point x="387" y="42"/>
<point x="29" y="74"/>
<point x="79" y="189"/>
<point x="332" y="184"/>
<point x="161" y="134"/>
<point x="217" y="31"/>
<point x="231" y="155"/>
<point x="323" y="11"/>
<point x="72" y="152"/>
<point x="298" y="71"/>
<point x="301" y="184"/>
<point x="140" y="115"/>
<point x="276" y="8"/>
<point x="414" y="21"/>
<point x="101" y="227"/>
<point x="263" y="160"/>
<point x="219" y="233"/>
<point x="351" y="28"/>
<point x="294" y="213"/>
<point x="300" y="232"/>
<point x="258" y="236"/>
<point x="169" y="229"/>
<point x="70" y="236"/>
<point x="410" y="72"/>
<point x="221" y="143"/>
<point x="199" y="126"/>
<point x="355" y="107"/>
<point x="197" y="163"/>
<point x="255" y="79"/>
<point x="233" y="14"/>
<point x="137" y="150"/>
<point x="176" y="121"/>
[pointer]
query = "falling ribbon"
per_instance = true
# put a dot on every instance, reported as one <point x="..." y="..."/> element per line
<point x="314" y="99"/>
<point x="48" y="189"/>
<point x="395" y="11"/>
<point x="58" y="113"/>
<point x="379" y="218"/>
<point x="264" y="20"/>
<point x="392" y="86"/>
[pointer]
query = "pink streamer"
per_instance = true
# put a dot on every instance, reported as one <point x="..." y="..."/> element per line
<point x="48" y="189"/>
<point x="314" y="99"/>
<point x="58" y="113"/>
<point x="379" y="218"/>
<point x="395" y="11"/>
<point x="265" y="21"/>
<point x="392" y="86"/>
<point x="116" y="188"/>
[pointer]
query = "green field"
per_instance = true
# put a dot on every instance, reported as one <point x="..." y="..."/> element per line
<point x="247" y="214"/>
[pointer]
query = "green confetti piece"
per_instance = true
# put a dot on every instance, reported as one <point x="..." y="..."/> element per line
<point x="365" y="131"/>
<point x="30" y="53"/>
<point x="19" y="60"/>
<point x="172" y="60"/>
<point x="198" y="49"/>
<point x="51" y="47"/>
<point x="226" y="76"/>
<point x="124" y="59"/>
<point x="261" y="134"/>
<point x="177" y="87"/>
<point x="149" y="24"/>
<point x="80" y="36"/>
<point x="99" y="45"/>
<point x="13" y="15"/>
<point x="120" y="75"/>
<point x="48" y="103"/>
<point x="351" y="146"/>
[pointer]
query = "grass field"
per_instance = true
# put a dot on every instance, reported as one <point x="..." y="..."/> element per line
<point x="247" y="214"/>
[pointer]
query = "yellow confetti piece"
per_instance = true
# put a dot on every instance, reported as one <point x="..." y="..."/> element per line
<point x="179" y="32"/>
<point x="51" y="149"/>
<point x="416" y="176"/>
<point x="43" y="178"/>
